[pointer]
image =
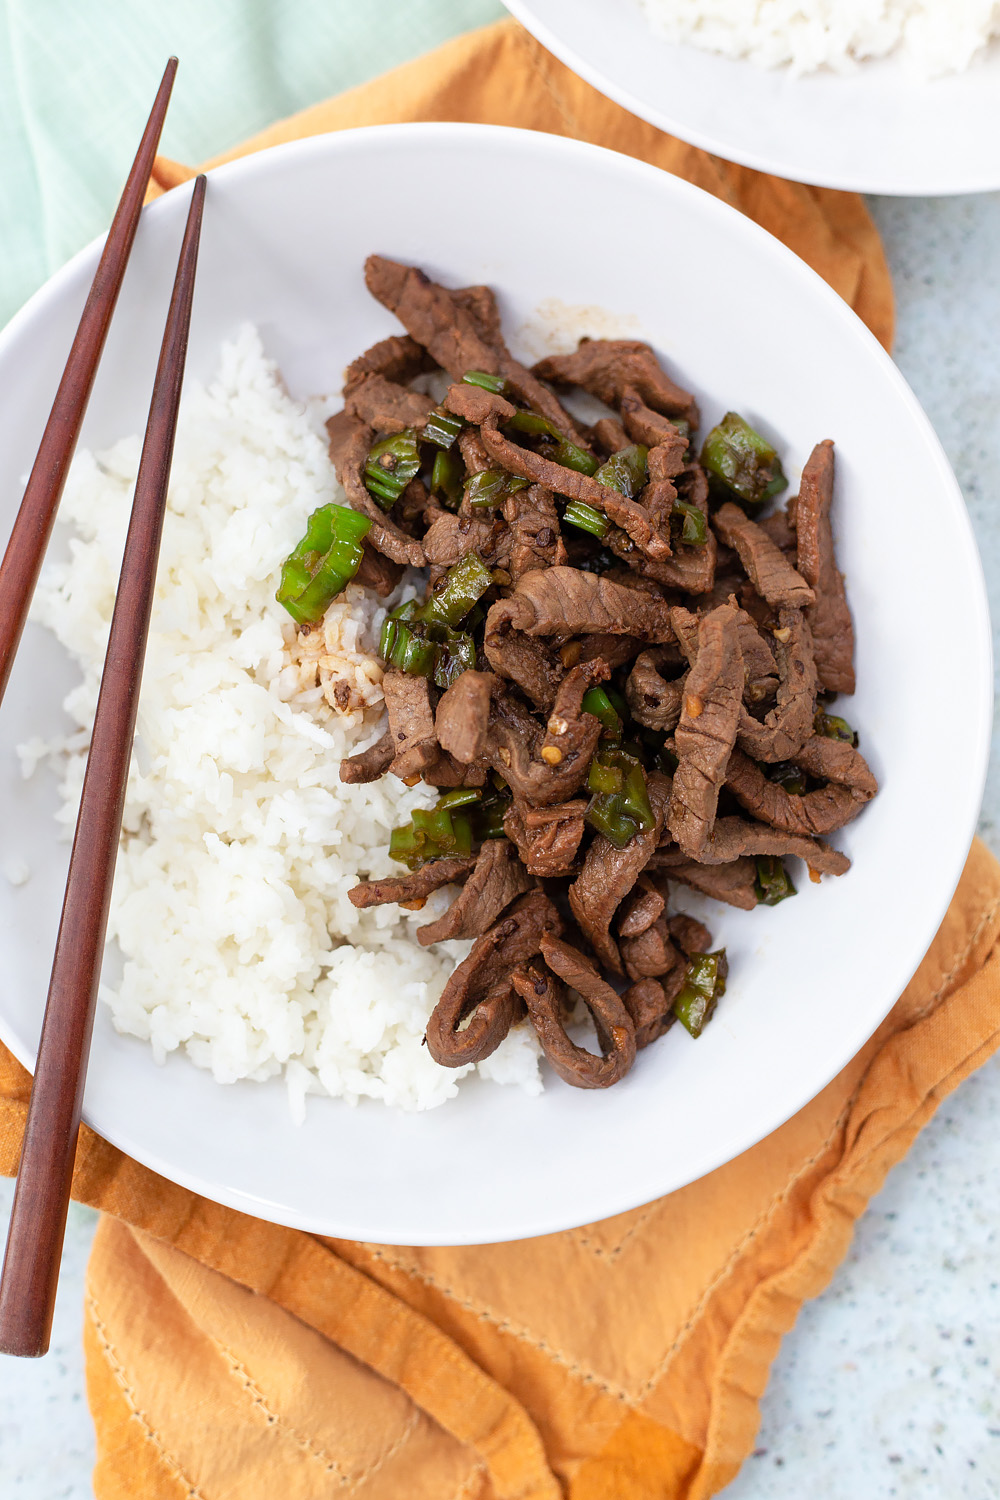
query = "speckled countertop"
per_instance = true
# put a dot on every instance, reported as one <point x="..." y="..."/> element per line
<point x="889" y="1385"/>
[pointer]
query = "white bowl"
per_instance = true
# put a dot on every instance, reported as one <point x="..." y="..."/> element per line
<point x="878" y="129"/>
<point x="748" y="326"/>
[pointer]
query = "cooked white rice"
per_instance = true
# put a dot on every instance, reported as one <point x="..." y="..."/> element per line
<point x="240" y="843"/>
<point x="931" y="37"/>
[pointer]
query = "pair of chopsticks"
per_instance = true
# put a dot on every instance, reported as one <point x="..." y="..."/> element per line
<point x="41" y="1200"/>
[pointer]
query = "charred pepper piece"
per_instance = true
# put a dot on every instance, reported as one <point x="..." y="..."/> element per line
<point x="392" y="462"/>
<point x="432" y="833"/>
<point x="773" y="883"/>
<point x="323" y="563"/>
<point x="619" y="807"/>
<point x="625" y="471"/>
<point x="586" y="518"/>
<point x="703" y="987"/>
<point x="442" y="427"/>
<point x="832" y="727"/>
<point x="741" y="462"/>
<point x="566" y="453"/>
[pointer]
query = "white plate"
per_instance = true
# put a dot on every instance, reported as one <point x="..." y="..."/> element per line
<point x="877" y="130"/>
<point x="285" y="237"/>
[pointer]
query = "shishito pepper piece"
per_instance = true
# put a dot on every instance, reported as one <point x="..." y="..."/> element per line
<point x="323" y="563"/>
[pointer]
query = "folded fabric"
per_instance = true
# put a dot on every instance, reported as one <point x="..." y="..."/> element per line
<point x="620" y="1361"/>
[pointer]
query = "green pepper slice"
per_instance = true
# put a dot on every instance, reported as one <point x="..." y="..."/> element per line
<point x="323" y="563"/>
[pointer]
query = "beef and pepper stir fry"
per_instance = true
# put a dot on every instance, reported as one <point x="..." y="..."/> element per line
<point x="618" y="677"/>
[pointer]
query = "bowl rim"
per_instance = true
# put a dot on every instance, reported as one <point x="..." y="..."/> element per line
<point x="605" y="1200"/>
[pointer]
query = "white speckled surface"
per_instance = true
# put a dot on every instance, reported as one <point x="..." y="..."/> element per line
<point x="888" y="1385"/>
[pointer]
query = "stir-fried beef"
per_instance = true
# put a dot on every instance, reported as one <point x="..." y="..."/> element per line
<point x="707" y="730"/>
<point x="650" y="1004"/>
<point x="653" y="701"/>
<point x="609" y="874"/>
<point x="536" y="541"/>
<point x="462" y="720"/>
<point x="768" y="569"/>
<point x="415" y="887"/>
<point x="580" y="640"/>
<point x="830" y="617"/>
<point x="820" y="811"/>
<point x="397" y="358"/>
<point x="370" y="764"/>
<point x="430" y="315"/>
<point x="734" y="883"/>
<point x="616" y="369"/>
<point x="690" y="935"/>
<point x="481" y="986"/>
<point x="387" y="407"/>
<point x="651" y="953"/>
<point x="640" y="908"/>
<point x="564" y="601"/>
<point x="759" y="666"/>
<point x="615" y="1029"/>
<point x="378" y="572"/>
<point x="350" y="441"/>
<point x="498" y="879"/>
<point x="547" y="838"/>
<point x="450" y="537"/>
<point x="522" y="659"/>
<point x="732" y="837"/>
<point x="785" y="729"/>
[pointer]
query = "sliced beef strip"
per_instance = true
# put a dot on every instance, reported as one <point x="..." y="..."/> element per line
<point x="734" y="883"/>
<point x="733" y="837"/>
<point x="350" y="441"/>
<point x="415" y="887"/>
<point x="513" y="744"/>
<point x="370" y="764"/>
<point x="785" y="729"/>
<point x="569" y="731"/>
<point x="640" y="908"/>
<point x="613" y="650"/>
<point x="498" y="879"/>
<point x="607" y="368"/>
<point x="536" y="541"/>
<point x="546" y="848"/>
<point x="768" y="569"/>
<point x="782" y="533"/>
<point x="691" y="569"/>
<point x="814" y="813"/>
<point x="690" y="935"/>
<point x="480" y="302"/>
<point x="431" y="315"/>
<point x="411" y="723"/>
<point x="609" y="874"/>
<point x="651" y="953"/>
<point x="703" y="742"/>
<point x="398" y="358"/>
<point x="615" y="1029"/>
<point x="463" y="716"/>
<point x="474" y="455"/>
<point x="450" y="537"/>
<point x="565" y="601"/>
<point x="644" y="425"/>
<point x="481" y="985"/>
<point x="610" y="435"/>
<point x="650" y="1004"/>
<point x="760" y="680"/>
<point x="387" y="407"/>
<point x="378" y="572"/>
<point x="829" y="618"/>
<point x="655" y="702"/>
<point x="522" y="658"/>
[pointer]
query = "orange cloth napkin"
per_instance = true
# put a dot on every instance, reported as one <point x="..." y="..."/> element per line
<point x="228" y="1358"/>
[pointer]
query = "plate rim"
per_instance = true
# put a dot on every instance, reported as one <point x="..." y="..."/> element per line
<point x="726" y="147"/>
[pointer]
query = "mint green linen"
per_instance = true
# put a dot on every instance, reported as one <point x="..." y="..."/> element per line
<point x="77" y="78"/>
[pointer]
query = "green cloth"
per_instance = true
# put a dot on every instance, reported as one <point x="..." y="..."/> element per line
<point x="77" y="78"/>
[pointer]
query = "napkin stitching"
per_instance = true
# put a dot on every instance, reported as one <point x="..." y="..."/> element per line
<point x="586" y="1243"/>
<point x="568" y="118"/>
<point x="838" y="1125"/>
<point x="307" y="1444"/>
<point x="504" y="1325"/>
<point x="118" y="1370"/>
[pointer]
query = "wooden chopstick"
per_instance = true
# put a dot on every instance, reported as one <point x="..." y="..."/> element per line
<point x="33" y="526"/>
<point x="41" y="1200"/>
